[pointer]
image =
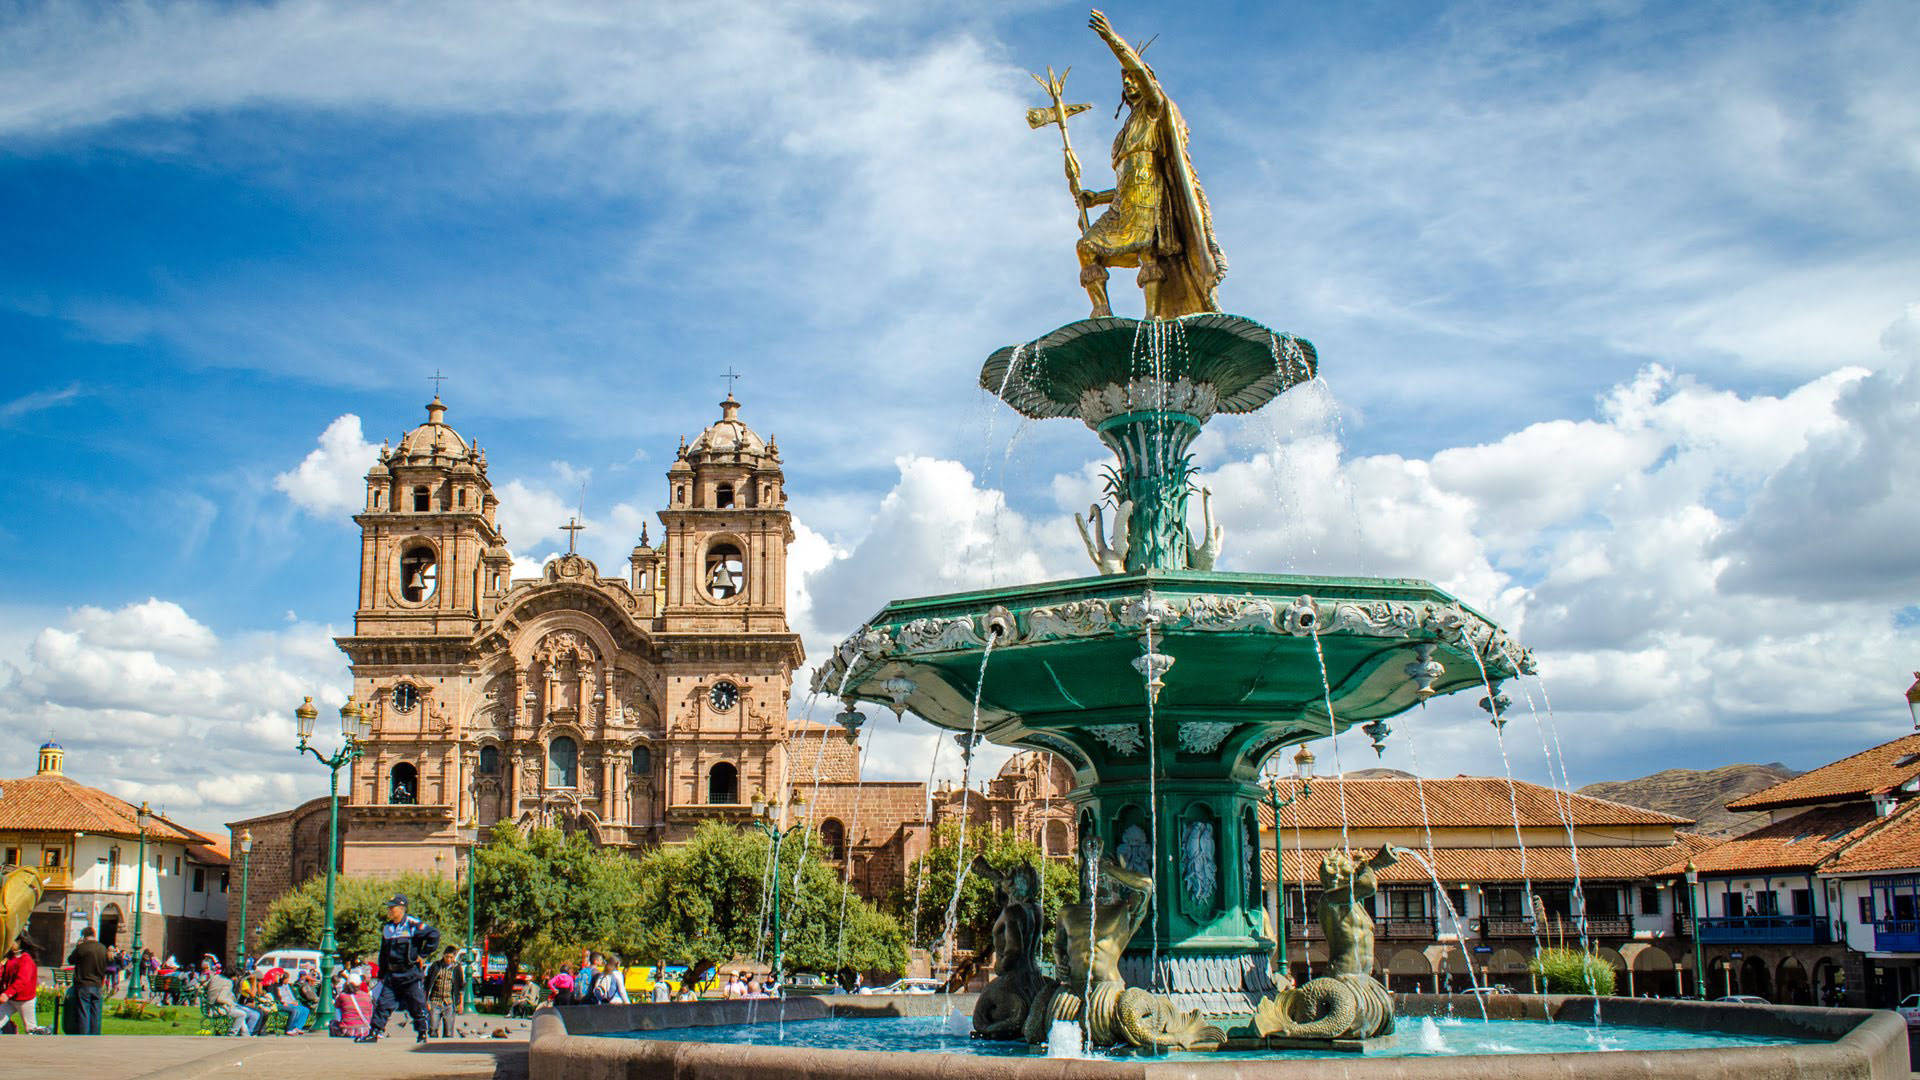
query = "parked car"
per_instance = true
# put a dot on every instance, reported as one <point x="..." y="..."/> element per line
<point x="808" y="984"/>
<point x="1909" y="1007"/>
<point x="1483" y="990"/>
<point x="907" y="986"/>
<point x="289" y="959"/>
<point x="1744" y="999"/>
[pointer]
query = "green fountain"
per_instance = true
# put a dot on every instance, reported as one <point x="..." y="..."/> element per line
<point x="1164" y="682"/>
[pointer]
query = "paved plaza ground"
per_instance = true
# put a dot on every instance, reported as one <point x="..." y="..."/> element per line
<point x="133" y="1057"/>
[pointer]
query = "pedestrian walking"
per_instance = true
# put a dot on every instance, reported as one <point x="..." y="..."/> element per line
<point x="19" y="986"/>
<point x="89" y="962"/>
<point x="662" y="991"/>
<point x="443" y="994"/>
<point x="406" y="942"/>
<point x="611" y="987"/>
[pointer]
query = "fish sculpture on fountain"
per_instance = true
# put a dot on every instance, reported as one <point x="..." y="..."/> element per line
<point x="1349" y="1003"/>
<point x="1087" y="945"/>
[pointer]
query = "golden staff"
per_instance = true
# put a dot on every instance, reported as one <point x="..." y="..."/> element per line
<point x="1057" y="113"/>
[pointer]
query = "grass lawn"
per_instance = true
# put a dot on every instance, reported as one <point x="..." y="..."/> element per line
<point x="158" y="1019"/>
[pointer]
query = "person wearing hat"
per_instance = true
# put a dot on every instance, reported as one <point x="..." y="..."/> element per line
<point x="406" y="944"/>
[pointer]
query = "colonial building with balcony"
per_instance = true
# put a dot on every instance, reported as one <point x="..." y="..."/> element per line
<point x="1819" y="904"/>
<point x="85" y="843"/>
<point x="1495" y="893"/>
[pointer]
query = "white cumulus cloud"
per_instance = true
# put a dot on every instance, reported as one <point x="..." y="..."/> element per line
<point x="331" y="479"/>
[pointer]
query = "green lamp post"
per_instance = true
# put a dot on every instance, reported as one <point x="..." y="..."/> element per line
<point x="246" y="868"/>
<point x="354" y="728"/>
<point x="469" y="835"/>
<point x="143" y="819"/>
<point x="767" y="816"/>
<point x="1693" y="913"/>
<point x="1303" y="773"/>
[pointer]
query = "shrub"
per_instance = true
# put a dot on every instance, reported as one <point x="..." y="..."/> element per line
<point x="1570" y="971"/>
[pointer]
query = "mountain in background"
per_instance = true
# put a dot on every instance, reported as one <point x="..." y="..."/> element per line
<point x="1698" y="794"/>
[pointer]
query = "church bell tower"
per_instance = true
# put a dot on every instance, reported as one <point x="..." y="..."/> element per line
<point x="429" y="548"/>
<point x="727" y="531"/>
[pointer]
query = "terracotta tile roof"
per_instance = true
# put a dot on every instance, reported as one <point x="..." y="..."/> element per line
<point x="208" y="848"/>
<point x="1892" y="844"/>
<point x="1502" y="865"/>
<point x="1870" y="772"/>
<point x="1453" y="802"/>
<point x="1801" y="842"/>
<point x="60" y="804"/>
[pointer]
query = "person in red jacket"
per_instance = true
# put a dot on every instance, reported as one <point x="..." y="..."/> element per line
<point x="19" y="985"/>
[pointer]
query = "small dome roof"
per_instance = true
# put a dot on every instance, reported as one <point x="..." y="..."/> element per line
<point x="50" y="745"/>
<point x="727" y="437"/>
<point x="431" y="439"/>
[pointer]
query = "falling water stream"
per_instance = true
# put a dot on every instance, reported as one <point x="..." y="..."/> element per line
<point x="1153" y="791"/>
<point x="1513" y="798"/>
<point x="1333" y="731"/>
<point x="847" y="841"/>
<point x="951" y="930"/>
<point x="1439" y="889"/>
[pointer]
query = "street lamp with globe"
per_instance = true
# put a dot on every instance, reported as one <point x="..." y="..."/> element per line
<point x="354" y="730"/>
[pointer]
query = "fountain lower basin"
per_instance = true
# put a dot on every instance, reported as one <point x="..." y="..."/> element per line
<point x="1531" y="1037"/>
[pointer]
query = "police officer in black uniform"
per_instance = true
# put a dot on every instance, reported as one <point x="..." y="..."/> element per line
<point x="406" y="944"/>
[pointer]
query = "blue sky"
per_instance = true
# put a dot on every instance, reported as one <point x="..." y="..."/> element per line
<point x="1613" y="303"/>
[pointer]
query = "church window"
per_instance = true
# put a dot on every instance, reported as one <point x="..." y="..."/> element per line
<point x="405" y="697"/>
<point x="726" y="572"/>
<point x="419" y="574"/>
<point x="376" y="498"/>
<point x="460" y="497"/>
<point x="834" y="836"/>
<point x="403" y="785"/>
<point x="563" y="759"/>
<point x="723" y="497"/>
<point x="723" y="784"/>
<point x="642" y="761"/>
<point x="422" y="500"/>
<point x="1056" y="838"/>
<point x="489" y="761"/>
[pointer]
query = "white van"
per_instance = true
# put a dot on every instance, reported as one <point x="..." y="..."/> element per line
<point x="289" y="959"/>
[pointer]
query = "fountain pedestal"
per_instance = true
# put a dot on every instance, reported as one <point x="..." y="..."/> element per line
<point x="1163" y="686"/>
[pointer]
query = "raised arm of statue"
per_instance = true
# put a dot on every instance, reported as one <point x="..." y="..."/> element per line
<point x="1130" y="61"/>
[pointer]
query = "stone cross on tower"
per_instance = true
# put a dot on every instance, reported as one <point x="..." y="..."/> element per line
<point x="572" y="529"/>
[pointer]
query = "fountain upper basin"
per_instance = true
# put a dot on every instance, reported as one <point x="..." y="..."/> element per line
<point x="1245" y="677"/>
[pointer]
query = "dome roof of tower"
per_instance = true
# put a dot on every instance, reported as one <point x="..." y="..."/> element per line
<point x="431" y="439"/>
<point x="727" y="438"/>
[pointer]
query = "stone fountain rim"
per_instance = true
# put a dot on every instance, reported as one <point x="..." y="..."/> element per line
<point x="1859" y="1043"/>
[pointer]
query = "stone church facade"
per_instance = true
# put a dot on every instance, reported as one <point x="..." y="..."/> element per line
<point x="633" y="706"/>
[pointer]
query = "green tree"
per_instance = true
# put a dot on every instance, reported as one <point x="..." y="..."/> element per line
<point x="296" y="919"/>
<point x="701" y="903"/>
<point x="546" y="894"/>
<point x="931" y="876"/>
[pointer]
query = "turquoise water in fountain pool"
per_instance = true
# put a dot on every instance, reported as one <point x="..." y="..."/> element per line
<point x="1416" y="1038"/>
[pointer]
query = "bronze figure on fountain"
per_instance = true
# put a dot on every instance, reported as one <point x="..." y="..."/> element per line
<point x="1349" y="1003"/>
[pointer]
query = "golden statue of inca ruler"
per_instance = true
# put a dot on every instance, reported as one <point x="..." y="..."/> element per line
<point x="1157" y="218"/>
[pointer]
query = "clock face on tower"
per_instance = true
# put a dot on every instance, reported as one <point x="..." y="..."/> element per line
<point x="405" y="697"/>
<point x="723" y="696"/>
